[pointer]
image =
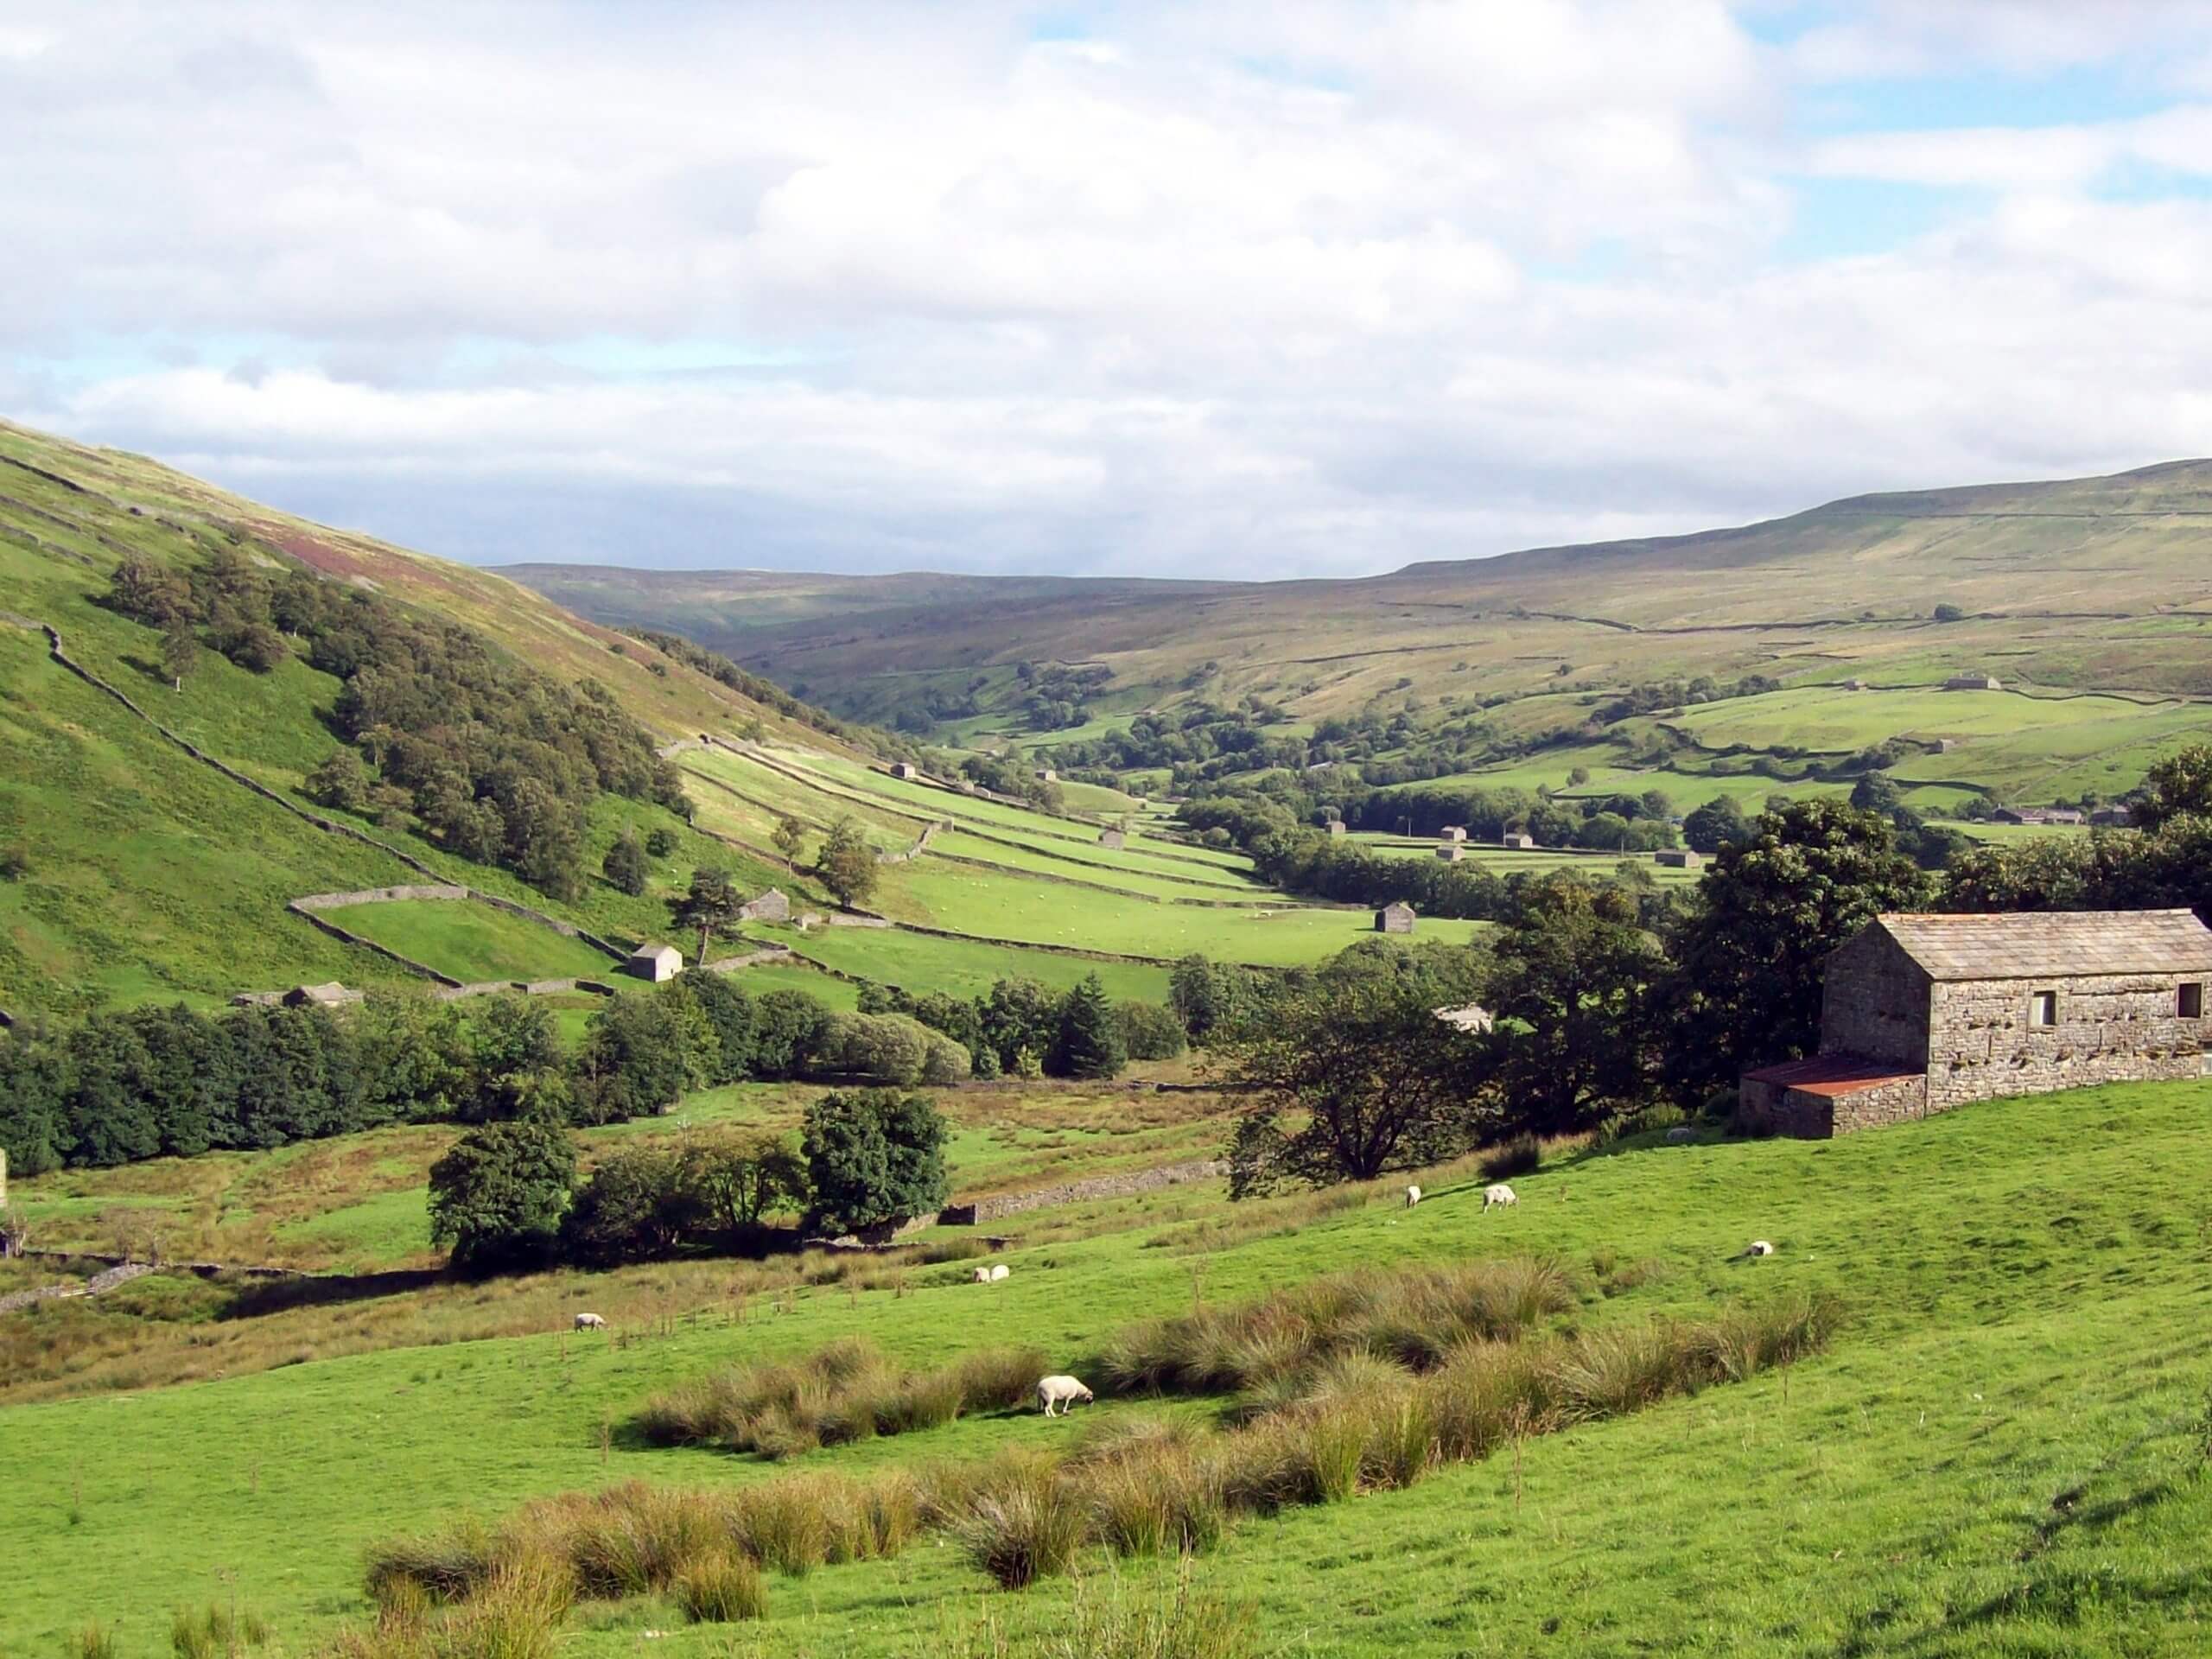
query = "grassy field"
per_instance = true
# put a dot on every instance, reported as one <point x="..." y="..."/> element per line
<point x="923" y="962"/>
<point x="1097" y="872"/>
<point x="473" y="942"/>
<point x="2002" y="1454"/>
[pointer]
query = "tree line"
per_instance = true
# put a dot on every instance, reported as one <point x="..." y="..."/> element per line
<point x="495" y="761"/>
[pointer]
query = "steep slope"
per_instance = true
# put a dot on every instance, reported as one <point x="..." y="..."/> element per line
<point x="136" y="870"/>
<point x="2091" y="583"/>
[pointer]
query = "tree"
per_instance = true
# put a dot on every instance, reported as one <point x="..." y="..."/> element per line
<point x="179" y="651"/>
<point x="339" y="781"/>
<point x="497" y="1198"/>
<point x="1876" y="792"/>
<point x="1365" y="1077"/>
<point x="1716" y="824"/>
<point x="626" y="866"/>
<point x="1088" y="1045"/>
<point x="1747" y="989"/>
<point x="873" y="1157"/>
<point x="790" y="836"/>
<point x="638" y="1054"/>
<point x="1149" y="1032"/>
<point x="1949" y="614"/>
<point x="846" y="864"/>
<point x="710" y="904"/>
<point x="743" y="1182"/>
<point x="1571" y="990"/>
<point x="2180" y="786"/>
<point x="636" y="1206"/>
<point x="661" y="840"/>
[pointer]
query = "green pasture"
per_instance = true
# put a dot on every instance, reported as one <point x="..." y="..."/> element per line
<point x="1000" y="905"/>
<point x="919" y="962"/>
<point x="2002" y="1454"/>
<point x="1078" y="866"/>
<point x="2108" y="756"/>
<point x="774" y="794"/>
<point x="1139" y="855"/>
<point x="1513" y="860"/>
<point x="1827" y="719"/>
<point x="825" y="989"/>
<point x="473" y="942"/>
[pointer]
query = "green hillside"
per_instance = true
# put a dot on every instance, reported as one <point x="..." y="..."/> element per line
<point x="2091" y="585"/>
<point x="2003" y="1452"/>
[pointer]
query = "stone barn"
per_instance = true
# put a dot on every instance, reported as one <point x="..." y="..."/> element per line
<point x="1047" y="775"/>
<point x="1336" y="826"/>
<point x="1452" y="832"/>
<point x="1921" y="1014"/>
<point x="906" y="769"/>
<point x="770" y="906"/>
<point x="1112" y="840"/>
<point x="655" y="962"/>
<point x="1451" y="852"/>
<point x="1518" y="842"/>
<point x="1395" y="919"/>
<point x="1678" y="858"/>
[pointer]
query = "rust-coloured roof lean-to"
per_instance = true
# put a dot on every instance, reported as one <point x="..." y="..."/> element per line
<point x="2053" y="945"/>
<point x="1833" y="1074"/>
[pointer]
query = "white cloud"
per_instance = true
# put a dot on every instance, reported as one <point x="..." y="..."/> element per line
<point x="1294" y="287"/>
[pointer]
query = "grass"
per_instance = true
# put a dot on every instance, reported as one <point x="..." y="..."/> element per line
<point x="473" y="942"/>
<point x="922" y="962"/>
<point x="1906" y="1488"/>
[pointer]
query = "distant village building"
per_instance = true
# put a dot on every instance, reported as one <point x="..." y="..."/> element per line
<point x="1395" y="919"/>
<point x="1451" y="852"/>
<point x="906" y="769"/>
<point x="1974" y="683"/>
<point x="1112" y="840"/>
<point x="1518" y="842"/>
<point x="1921" y="1014"/>
<point x="1335" y="827"/>
<point x="1047" y="775"/>
<point x="770" y="906"/>
<point x="1452" y="832"/>
<point x="2035" y="814"/>
<point x="2112" y="817"/>
<point x="655" y="962"/>
<point x="1678" y="858"/>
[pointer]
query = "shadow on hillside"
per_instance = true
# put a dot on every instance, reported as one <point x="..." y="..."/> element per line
<point x="256" y="1298"/>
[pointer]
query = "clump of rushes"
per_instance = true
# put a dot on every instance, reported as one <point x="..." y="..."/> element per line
<point x="720" y="1589"/>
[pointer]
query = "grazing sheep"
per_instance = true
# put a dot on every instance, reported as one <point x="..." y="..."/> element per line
<point x="1499" y="1194"/>
<point x="590" y="1322"/>
<point x="1412" y="1197"/>
<point x="1061" y="1391"/>
<point x="982" y="1275"/>
<point x="1681" y="1132"/>
<point x="1001" y="1271"/>
<point x="1758" y="1247"/>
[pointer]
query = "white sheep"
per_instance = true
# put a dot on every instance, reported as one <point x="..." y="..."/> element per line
<point x="1412" y="1197"/>
<point x="1001" y="1271"/>
<point x="1500" y="1193"/>
<point x="1758" y="1247"/>
<point x="982" y="1275"/>
<point x="1062" y="1391"/>
<point x="590" y="1322"/>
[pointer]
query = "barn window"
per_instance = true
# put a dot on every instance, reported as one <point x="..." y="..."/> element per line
<point x="2043" y="1012"/>
<point x="2192" y="1001"/>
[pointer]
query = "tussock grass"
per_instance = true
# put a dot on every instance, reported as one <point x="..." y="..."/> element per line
<point x="842" y="1393"/>
<point x="720" y="1590"/>
<point x="91" y="1640"/>
<point x="1025" y="1525"/>
<point x="215" y="1630"/>
<point x="1523" y="1154"/>
<point x="1109" y="1619"/>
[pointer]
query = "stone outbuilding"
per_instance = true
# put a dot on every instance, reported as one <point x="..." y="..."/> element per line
<point x="2065" y="815"/>
<point x="1974" y="683"/>
<point x="1921" y="1014"/>
<point x="657" y="962"/>
<point x="330" y="995"/>
<point x="1047" y="775"/>
<point x="1451" y="852"/>
<point x="1452" y="832"/>
<point x="1518" y="842"/>
<point x="1678" y="858"/>
<point x="770" y="906"/>
<point x="1397" y="917"/>
<point x="906" y="769"/>
<point x="1112" y="840"/>
<point x="1335" y="827"/>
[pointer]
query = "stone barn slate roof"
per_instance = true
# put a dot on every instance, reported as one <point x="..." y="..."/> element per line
<point x="2058" y="945"/>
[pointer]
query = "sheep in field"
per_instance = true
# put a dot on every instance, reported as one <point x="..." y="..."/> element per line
<point x="1001" y="1271"/>
<point x="1500" y="1193"/>
<point x="1412" y="1197"/>
<point x="1758" y="1247"/>
<point x="590" y="1322"/>
<point x="1062" y="1391"/>
<point x="982" y="1275"/>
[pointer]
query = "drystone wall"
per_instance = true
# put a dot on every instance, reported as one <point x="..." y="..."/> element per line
<point x="1096" y="1187"/>
<point x="2111" y="1028"/>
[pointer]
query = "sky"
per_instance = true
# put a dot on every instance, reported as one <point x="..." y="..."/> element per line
<point x="1289" y="288"/>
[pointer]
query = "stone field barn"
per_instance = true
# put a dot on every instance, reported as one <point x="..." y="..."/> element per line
<point x="1921" y="1014"/>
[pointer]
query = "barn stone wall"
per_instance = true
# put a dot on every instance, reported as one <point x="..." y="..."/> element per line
<point x="1875" y="1004"/>
<point x="2114" y="1028"/>
<point x="1815" y="1114"/>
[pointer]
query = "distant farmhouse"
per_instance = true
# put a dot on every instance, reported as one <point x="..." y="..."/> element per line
<point x="655" y="962"/>
<point x="1395" y="919"/>
<point x="770" y="906"/>
<point x="1974" y="683"/>
<point x="2035" y="815"/>
<point x="1678" y="858"/>
<point x="1925" y="1012"/>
